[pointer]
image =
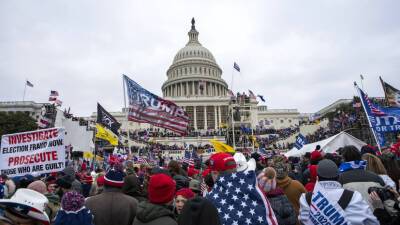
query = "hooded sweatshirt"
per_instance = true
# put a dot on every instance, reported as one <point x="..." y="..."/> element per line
<point x="199" y="211"/>
<point x="132" y="187"/>
<point x="152" y="214"/>
<point x="70" y="178"/>
<point x="293" y="190"/>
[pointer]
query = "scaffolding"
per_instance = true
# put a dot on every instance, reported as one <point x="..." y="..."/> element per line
<point x="240" y="123"/>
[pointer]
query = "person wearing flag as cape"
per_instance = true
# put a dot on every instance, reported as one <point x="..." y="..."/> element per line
<point x="332" y="204"/>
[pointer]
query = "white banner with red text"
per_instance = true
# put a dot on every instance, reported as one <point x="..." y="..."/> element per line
<point x="39" y="151"/>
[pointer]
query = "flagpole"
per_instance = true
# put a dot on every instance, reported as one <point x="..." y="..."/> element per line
<point x="23" y="97"/>
<point x="362" y="83"/>
<point x="126" y="112"/>
<point x="369" y="121"/>
<point x="232" y="81"/>
<point x="233" y="130"/>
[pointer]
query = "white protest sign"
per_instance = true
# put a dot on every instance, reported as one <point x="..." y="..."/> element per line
<point x="324" y="211"/>
<point x="40" y="151"/>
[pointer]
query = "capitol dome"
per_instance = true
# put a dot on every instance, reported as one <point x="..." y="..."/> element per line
<point x="194" y="72"/>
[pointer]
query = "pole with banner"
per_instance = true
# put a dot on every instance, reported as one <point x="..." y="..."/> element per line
<point x="368" y="118"/>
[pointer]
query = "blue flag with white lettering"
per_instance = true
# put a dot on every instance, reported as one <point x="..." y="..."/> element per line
<point x="381" y="119"/>
<point x="300" y="141"/>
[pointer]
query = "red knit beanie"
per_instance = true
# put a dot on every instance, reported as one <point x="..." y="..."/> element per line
<point x="161" y="189"/>
<point x="186" y="193"/>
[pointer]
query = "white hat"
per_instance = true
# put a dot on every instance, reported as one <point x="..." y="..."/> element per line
<point x="241" y="162"/>
<point x="28" y="202"/>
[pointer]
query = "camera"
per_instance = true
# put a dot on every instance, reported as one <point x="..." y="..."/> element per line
<point x="383" y="193"/>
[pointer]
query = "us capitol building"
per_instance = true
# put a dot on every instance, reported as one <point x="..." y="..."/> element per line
<point x="194" y="82"/>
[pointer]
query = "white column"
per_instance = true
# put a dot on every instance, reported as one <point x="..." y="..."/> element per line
<point x="187" y="88"/>
<point x="215" y="117"/>
<point x="205" y="89"/>
<point x="219" y="114"/>
<point x="205" y="117"/>
<point x="194" y="118"/>
<point x="175" y="90"/>
<point x="181" y="88"/>
<point x="193" y="88"/>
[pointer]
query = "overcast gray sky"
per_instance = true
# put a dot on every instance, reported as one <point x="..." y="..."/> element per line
<point x="298" y="54"/>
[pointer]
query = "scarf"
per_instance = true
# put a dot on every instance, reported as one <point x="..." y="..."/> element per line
<point x="353" y="165"/>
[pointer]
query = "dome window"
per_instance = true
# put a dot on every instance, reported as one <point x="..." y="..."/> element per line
<point x="185" y="70"/>
<point x="195" y="69"/>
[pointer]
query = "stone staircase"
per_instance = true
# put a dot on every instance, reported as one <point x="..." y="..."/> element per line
<point x="305" y="129"/>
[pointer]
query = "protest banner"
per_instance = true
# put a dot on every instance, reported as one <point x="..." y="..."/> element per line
<point x="324" y="210"/>
<point x="39" y="151"/>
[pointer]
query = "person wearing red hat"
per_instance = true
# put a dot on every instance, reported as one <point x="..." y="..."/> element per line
<point x="192" y="172"/>
<point x="161" y="192"/>
<point x="221" y="163"/>
<point x="181" y="197"/>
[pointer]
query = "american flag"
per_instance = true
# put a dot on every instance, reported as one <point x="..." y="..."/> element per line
<point x="263" y="153"/>
<point x="203" y="188"/>
<point x="236" y="66"/>
<point x="54" y="93"/>
<point x="239" y="200"/>
<point x="146" y="107"/>
<point x="374" y="109"/>
<point x="187" y="158"/>
<point x="252" y="95"/>
<point x="141" y="160"/>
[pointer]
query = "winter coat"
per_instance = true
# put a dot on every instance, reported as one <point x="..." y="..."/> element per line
<point x="360" y="180"/>
<point x="112" y="207"/>
<point x="53" y="206"/>
<point x="199" y="211"/>
<point x="132" y="187"/>
<point x="357" y="212"/>
<point x="283" y="209"/>
<point x="80" y="217"/>
<point x="293" y="190"/>
<point x="152" y="214"/>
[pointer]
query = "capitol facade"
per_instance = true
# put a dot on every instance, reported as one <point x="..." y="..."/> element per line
<point x="194" y="82"/>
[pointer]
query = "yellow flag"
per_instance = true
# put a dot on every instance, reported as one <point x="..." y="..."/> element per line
<point x="105" y="134"/>
<point x="88" y="155"/>
<point x="221" y="147"/>
<point x="99" y="158"/>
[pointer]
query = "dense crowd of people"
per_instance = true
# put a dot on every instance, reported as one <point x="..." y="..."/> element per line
<point x="363" y="182"/>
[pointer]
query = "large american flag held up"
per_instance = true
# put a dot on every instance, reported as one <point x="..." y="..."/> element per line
<point x="239" y="201"/>
<point x="146" y="107"/>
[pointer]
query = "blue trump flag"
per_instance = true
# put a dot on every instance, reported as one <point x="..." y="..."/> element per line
<point x="381" y="119"/>
<point x="239" y="201"/>
<point x="300" y="141"/>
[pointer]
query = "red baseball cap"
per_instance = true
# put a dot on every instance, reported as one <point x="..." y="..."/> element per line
<point x="222" y="161"/>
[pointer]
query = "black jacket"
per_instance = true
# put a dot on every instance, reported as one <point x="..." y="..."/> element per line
<point x="152" y="214"/>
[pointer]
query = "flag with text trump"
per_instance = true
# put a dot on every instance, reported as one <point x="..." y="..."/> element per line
<point x="239" y="200"/>
<point x="146" y="107"/>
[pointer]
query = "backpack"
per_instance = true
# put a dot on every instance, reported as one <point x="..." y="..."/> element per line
<point x="343" y="202"/>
